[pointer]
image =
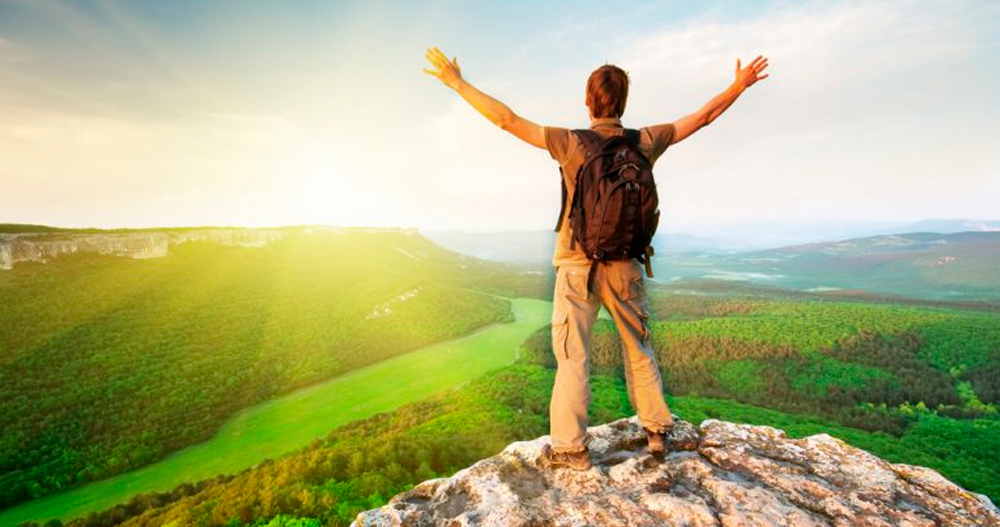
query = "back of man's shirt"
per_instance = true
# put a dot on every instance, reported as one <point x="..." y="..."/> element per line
<point x="567" y="150"/>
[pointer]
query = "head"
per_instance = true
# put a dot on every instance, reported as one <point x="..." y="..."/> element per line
<point x="607" y="90"/>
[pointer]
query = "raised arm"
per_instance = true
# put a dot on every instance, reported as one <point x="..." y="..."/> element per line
<point x="745" y="77"/>
<point x="498" y="113"/>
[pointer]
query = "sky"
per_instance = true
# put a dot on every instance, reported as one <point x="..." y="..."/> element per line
<point x="183" y="113"/>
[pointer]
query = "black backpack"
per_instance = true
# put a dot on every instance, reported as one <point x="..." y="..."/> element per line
<point x="613" y="211"/>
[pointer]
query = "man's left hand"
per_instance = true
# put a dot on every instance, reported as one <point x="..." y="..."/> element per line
<point x="446" y="71"/>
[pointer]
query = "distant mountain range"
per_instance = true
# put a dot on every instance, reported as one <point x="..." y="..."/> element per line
<point x="953" y="266"/>
<point x="949" y="226"/>
<point x="535" y="247"/>
<point x="931" y="259"/>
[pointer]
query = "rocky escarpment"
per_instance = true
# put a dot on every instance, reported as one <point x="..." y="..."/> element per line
<point x="717" y="474"/>
<point x="41" y="247"/>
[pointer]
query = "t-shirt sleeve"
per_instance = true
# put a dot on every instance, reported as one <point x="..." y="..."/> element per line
<point x="659" y="136"/>
<point x="557" y="143"/>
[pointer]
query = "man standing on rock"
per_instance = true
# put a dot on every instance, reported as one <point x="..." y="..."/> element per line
<point x="619" y="285"/>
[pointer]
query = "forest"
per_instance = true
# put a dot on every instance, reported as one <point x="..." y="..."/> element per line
<point x="856" y="363"/>
<point x="111" y="363"/>
<point x="897" y="380"/>
<point x="359" y="466"/>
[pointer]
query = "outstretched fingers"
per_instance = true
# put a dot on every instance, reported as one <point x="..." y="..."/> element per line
<point x="440" y="55"/>
<point x="751" y="73"/>
<point x="436" y="57"/>
<point x="433" y="58"/>
<point x="760" y="68"/>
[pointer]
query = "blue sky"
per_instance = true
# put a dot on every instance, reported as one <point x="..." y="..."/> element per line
<point x="270" y="113"/>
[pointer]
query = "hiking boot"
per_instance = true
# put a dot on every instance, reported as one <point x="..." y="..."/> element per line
<point x="656" y="441"/>
<point x="574" y="460"/>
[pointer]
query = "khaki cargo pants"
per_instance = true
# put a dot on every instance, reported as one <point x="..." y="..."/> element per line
<point x="620" y="287"/>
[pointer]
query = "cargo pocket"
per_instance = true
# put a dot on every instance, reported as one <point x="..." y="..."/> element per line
<point x="633" y="293"/>
<point x="631" y="281"/>
<point x="572" y="281"/>
<point x="560" y="333"/>
<point x="643" y="313"/>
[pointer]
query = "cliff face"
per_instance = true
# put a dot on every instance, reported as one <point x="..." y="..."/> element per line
<point x="41" y="247"/>
<point x="718" y="474"/>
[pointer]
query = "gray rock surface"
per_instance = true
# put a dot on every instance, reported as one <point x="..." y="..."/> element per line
<point x="718" y="474"/>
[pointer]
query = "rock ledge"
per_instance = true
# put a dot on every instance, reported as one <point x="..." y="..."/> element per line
<point x="718" y="474"/>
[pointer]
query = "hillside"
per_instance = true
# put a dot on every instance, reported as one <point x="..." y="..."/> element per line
<point x="110" y="363"/>
<point x="945" y="266"/>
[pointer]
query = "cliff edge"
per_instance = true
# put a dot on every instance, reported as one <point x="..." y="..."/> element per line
<point x="716" y="474"/>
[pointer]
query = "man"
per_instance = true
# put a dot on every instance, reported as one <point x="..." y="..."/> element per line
<point x="618" y="284"/>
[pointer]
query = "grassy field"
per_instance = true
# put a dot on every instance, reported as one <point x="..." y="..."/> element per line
<point x="273" y="428"/>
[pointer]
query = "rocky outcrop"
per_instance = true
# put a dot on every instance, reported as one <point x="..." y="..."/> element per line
<point x="717" y="474"/>
<point x="41" y="247"/>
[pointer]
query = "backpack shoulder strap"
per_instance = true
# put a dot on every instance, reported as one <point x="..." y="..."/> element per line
<point x="632" y="136"/>
<point x="565" y="192"/>
<point x="589" y="138"/>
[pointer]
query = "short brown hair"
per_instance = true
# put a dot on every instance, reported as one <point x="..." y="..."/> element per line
<point x="607" y="89"/>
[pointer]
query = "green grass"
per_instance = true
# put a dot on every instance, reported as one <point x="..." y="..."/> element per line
<point x="276" y="427"/>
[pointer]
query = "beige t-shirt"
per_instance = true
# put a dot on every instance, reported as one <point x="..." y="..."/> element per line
<point x="567" y="150"/>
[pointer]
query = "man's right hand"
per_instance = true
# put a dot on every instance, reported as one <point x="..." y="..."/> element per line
<point x="745" y="77"/>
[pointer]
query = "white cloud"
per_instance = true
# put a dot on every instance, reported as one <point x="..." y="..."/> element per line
<point x="868" y="108"/>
